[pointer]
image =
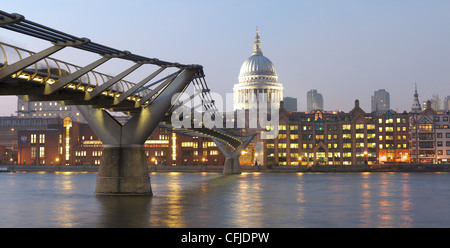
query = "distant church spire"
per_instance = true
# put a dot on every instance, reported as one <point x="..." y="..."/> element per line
<point x="416" y="104"/>
<point x="257" y="44"/>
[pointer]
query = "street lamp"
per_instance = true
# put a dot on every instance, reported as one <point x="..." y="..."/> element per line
<point x="365" y="155"/>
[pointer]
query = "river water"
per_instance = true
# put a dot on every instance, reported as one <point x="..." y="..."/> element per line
<point x="59" y="199"/>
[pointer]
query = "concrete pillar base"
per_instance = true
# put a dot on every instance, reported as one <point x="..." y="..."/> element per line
<point x="123" y="171"/>
<point x="232" y="166"/>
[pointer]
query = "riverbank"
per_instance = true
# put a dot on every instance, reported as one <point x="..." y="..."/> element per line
<point x="219" y="168"/>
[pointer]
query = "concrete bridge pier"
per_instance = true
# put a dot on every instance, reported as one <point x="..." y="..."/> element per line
<point x="232" y="164"/>
<point x="123" y="166"/>
<point x="123" y="171"/>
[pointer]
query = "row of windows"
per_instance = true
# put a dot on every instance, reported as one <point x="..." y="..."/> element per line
<point x="34" y="136"/>
<point x="440" y="143"/>
<point x="83" y="153"/>
<point x="344" y="145"/>
<point x="281" y="137"/>
<point x="195" y="144"/>
<point x="34" y="152"/>
<point x="345" y="127"/>
<point x="439" y="135"/>
<point x="52" y="109"/>
<point x="444" y="118"/>
<point x="50" y="115"/>
<point x="330" y="155"/>
<point x="443" y="127"/>
<point x="380" y="120"/>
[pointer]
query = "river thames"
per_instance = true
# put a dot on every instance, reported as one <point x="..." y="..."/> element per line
<point x="213" y="200"/>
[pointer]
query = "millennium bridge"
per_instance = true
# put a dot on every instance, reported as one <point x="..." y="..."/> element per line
<point x="154" y="101"/>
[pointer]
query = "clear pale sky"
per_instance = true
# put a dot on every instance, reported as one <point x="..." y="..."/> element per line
<point x="345" y="49"/>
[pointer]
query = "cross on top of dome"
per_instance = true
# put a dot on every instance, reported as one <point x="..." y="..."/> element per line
<point x="257" y="44"/>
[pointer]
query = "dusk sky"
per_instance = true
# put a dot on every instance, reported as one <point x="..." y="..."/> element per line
<point x="345" y="49"/>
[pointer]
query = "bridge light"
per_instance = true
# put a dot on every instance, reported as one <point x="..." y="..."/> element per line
<point x="24" y="76"/>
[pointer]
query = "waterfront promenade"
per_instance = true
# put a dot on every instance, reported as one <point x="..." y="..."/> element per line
<point x="264" y="169"/>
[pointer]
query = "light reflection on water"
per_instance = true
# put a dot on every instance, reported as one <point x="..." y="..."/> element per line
<point x="215" y="200"/>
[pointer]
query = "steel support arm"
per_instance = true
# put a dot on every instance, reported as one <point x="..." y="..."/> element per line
<point x="99" y="89"/>
<point x="133" y="89"/>
<point x="106" y="127"/>
<point x="155" y="91"/>
<point x="140" y="126"/>
<point x="52" y="88"/>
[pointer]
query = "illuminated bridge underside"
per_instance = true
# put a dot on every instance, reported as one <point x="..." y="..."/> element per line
<point x="123" y="171"/>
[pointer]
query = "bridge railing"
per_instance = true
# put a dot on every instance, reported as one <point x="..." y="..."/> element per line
<point x="50" y="70"/>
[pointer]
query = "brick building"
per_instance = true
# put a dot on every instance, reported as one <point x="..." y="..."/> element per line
<point x="74" y="143"/>
<point x="430" y="136"/>
<point x="321" y="137"/>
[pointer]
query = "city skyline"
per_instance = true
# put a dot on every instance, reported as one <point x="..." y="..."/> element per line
<point x="346" y="50"/>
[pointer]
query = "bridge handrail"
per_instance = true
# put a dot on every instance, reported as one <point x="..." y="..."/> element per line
<point x="44" y="73"/>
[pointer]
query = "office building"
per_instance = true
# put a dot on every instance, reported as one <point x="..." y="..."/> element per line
<point x="436" y="102"/>
<point x="446" y="103"/>
<point x="314" y="100"/>
<point x="290" y="103"/>
<point x="47" y="109"/>
<point x="380" y="101"/>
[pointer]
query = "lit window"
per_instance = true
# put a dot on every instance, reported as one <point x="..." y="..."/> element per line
<point x="33" y="151"/>
<point x="41" y="152"/>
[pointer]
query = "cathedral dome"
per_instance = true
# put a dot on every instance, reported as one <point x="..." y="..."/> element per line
<point x="258" y="81"/>
<point x="257" y="67"/>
